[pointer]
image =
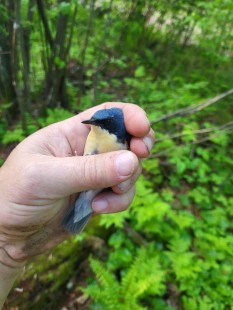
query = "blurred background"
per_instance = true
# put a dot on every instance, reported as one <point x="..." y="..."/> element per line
<point x="172" y="249"/>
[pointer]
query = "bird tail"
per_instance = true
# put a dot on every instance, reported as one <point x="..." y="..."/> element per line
<point x="78" y="217"/>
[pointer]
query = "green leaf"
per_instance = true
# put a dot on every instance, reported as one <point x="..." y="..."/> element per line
<point x="139" y="72"/>
<point x="16" y="135"/>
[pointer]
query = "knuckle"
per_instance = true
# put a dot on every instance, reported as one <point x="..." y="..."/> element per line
<point x="96" y="171"/>
<point x="91" y="172"/>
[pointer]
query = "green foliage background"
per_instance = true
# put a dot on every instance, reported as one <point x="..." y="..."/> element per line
<point x="173" y="248"/>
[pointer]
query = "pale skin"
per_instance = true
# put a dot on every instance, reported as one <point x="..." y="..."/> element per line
<point x="42" y="176"/>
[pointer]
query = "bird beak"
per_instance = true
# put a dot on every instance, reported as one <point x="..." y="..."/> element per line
<point x="90" y="121"/>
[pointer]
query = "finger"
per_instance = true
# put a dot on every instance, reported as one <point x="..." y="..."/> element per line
<point x="126" y="185"/>
<point x="109" y="202"/>
<point x="142" y="146"/>
<point x="59" y="177"/>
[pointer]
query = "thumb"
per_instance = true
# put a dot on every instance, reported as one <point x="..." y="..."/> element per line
<point x="69" y="175"/>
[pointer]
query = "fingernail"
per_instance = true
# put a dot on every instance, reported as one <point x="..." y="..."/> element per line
<point x="148" y="142"/>
<point x="125" y="164"/>
<point x="148" y="121"/>
<point x="124" y="186"/>
<point x="99" y="205"/>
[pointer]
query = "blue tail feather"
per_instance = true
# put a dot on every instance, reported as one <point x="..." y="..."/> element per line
<point x="78" y="217"/>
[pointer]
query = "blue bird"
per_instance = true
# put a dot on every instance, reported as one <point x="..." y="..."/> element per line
<point x="107" y="134"/>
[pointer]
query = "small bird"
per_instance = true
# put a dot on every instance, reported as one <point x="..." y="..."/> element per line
<point x="107" y="134"/>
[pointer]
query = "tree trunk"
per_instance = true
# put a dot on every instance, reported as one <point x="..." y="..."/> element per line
<point x="24" y="101"/>
<point x="7" y="91"/>
<point x="56" y="75"/>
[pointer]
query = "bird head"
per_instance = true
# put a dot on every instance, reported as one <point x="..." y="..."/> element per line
<point x="111" y="120"/>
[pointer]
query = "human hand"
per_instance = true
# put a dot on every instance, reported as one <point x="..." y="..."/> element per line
<point x="41" y="178"/>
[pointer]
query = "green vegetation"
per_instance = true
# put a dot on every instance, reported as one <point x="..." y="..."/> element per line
<point x="172" y="249"/>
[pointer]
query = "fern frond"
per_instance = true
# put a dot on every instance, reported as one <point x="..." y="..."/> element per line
<point x="143" y="277"/>
<point x="104" y="277"/>
<point x="107" y="290"/>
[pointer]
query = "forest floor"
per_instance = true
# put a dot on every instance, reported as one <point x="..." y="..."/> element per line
<point x="38" y="286"/>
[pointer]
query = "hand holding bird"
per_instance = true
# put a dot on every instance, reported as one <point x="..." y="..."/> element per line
<point x="41" y="178"/>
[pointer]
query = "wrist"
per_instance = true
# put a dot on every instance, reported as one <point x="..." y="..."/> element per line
<point x="8" y="275"/>
<point x="10" y="268"/>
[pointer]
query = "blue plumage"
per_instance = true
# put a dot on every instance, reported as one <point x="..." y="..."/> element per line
<point x="108" y="133"/>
